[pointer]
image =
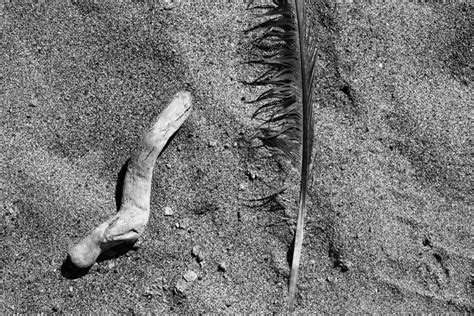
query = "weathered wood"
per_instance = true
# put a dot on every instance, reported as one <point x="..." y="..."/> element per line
<point x="131" y="219"/>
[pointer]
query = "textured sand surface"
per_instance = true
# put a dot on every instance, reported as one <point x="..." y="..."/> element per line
<point x="390" y="223"/>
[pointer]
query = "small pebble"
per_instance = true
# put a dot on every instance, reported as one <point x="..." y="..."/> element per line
<point x="190" y="276"/>
<point x="184" y="223"/>
<point x="346" y="265"/>
<point x="148" y="292"/>
<point x="243" y="186"/>
<point x="181" y="286"/>
<point x="170" y="4"/>
<point x="212" y="143"/>
<point x="164" y="284"/>
<point x="226" y="146"/>
<point x="197" y="252"/>
<point x="180" y="147"/>
<point x="95" y="267"/>
<point x="168" y="211"/>
<point x="222" y="267"/>
<point x="34" y="101"/>
<point x="252" y="174"/>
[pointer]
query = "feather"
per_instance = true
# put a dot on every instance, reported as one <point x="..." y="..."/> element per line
<point x="286" y="107"/>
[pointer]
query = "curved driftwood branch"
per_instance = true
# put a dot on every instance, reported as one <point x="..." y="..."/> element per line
<point x="130" y="221"/>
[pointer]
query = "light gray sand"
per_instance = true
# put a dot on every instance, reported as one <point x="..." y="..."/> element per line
<point x="389" y="228"/>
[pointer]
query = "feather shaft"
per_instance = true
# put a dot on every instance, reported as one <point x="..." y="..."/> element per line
<point x="306" y="80"/>
<point x="287" y="107"/>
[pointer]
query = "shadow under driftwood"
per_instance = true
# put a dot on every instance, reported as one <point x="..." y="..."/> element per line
<point x="70" y="271"/>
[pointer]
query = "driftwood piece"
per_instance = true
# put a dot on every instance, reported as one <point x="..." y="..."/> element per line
<point x="129" y="222"/>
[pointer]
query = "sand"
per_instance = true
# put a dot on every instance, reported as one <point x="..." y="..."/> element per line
<point x="389" y="227"/>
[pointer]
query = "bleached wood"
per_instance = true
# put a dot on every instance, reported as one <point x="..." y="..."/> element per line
<point x="130" y="221"/>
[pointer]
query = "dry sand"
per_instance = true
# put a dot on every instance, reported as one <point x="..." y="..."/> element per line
<point x="390" y="223"/>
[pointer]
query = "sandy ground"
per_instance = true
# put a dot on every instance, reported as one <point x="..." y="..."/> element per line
<point x="390" y="221"/>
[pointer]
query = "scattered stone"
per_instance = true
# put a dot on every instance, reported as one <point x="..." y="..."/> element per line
<point x="170" y="4"/>
<point x="168" y="211"/>
<point x="151" y="291"/>
<point x="252" y="174"/>
<point x="148" y="293"/>
<point x="140" y="242"/>
<point x="184" y="223"/>
<point x="196" y="250"/>
<point x="95" y="268"/>
<point x="345" y="265"/>
<point x="111" y="265"/>
<point x="222" y="267"/>
<point x="330" y="279"/>
<point x="34" y="102"/>
<point x="181" y="286"/>
<point x="235" y="144"/>
<point x="243" y="186"/>
<point x="12" y="208"/>
<point x="198" y="253"/>
<point x="375" y="147"/>
<point x="190" y="276"/>
<point x="164" y="284"/>
<point x="226" y="146"/>
<point x="212" y="143"/>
